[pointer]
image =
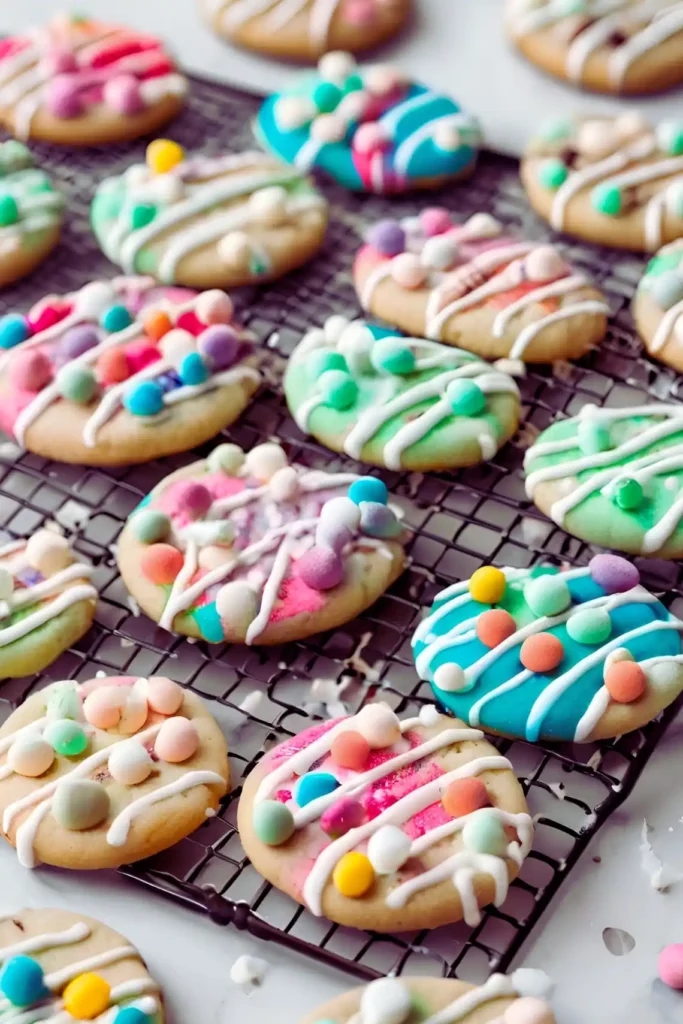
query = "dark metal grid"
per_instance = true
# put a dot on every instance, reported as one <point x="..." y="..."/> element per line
<point x="460" y="520"/>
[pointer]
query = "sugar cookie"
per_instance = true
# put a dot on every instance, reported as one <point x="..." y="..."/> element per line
<point x="475" y="286"/>
<point x="122" y="371"/>
<point x="539" y="654"/>
<point x="79" y="82"/>
<point x="369" y="128"/>
<point x="614" y="181"/>
<point x="31" y="213"/>
<point x="403" y="403"/>
<point x="106" y="772"/>
<point x="306" y="28"/>
<point x="658" y="306"/>
<point x="249" y="549"/>
<point x="374" y="846"/>
<point x="613" y="46"/>
<point x="208" y="222"/>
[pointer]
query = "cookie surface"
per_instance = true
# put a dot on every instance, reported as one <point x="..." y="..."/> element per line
<point x="208" y="222"/>
<point x="369" y="128"/>
<point x="66" y="948"/>
<point x="251" y="550"/>
<point x="307" y="28"/>
<point x="31" y="212"/>
<point x="580" y="655"/>
<point x="474" y="286"/>
<point x="613" y="477"/>
<point x="613" y="181"/>
<point x="122" y="371"/>
<point x="106" y="772"/>
<point x="80" y="82"/>
<point x="658" y="306"/>
<point x="47" y="602"/>
<point x="368" y="840"/>
<point x="614" y="46"/>
<point x="403" y="403"/>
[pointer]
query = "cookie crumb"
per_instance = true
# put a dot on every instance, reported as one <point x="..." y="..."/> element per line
<point x="662" y="876"/>
<point x="251" y="703"/>
<point x="248" y="972"/>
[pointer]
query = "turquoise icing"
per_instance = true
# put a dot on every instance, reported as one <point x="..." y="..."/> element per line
<point x="209" y="622"/>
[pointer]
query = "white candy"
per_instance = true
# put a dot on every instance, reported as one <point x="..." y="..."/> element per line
<point x="234" y="249"/>
<point x="93" y="299"/>
<point x="293" y="112"/>
<point x="388" y="849"/>
<point x="429" y="716"/>
<point x="168" y="188"/>
<point x="129" y="763"/>
<point x="447" y="138"/>
<point x="48" y="552"/>
<point x="334" y="327"/>
<point x="226" y="458"/>
<point x="6" y="584"/>
<point x="30" y="756"/>
<point x="353" y="106"/>
<point x="336" y="66"/>
<point x="355" y="345"/>
<point x="450" y="677"/>
<point x="269" y="205"/>
<point x="264" y="460"/>
<point x="328" y="128"/>
<point x="630" y="124"/>
<point x="482" y="225"/>
<point x="176" y="344"/>
<point x="385" y="1001"/>
<point x="379" y="725"/>
<point x="341" y="512"/>
<point x="248" y="971"/>
<point x="595" y="138"/>
<point x="284" y="484"/>
<point x="136" y="176"/>
<point x="439" y="252"/>
<point x="382" y="79"/>
<point x="236" y="603"/>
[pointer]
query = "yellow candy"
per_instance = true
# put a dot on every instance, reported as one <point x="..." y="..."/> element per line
<point x="487" y="585"/>
<point x="163" y="155"/>
<point x="86" y="997"/>
<point x="353" y="875"/>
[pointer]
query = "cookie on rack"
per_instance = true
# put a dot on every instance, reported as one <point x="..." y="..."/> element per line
<point x="658" y="305"/>
<point x="246" y="548"/>
<point x="123" y="371"/>
<point x="403" y="403"/>
<point x="47" y="602"/>
<point x="305" y="29"/>
<point x="609" y="180"/>
<point x="208" y="222"/>
<point x="369" y="128"/>
<point x="80" y="82"/>
<point x="475" y="286"/>
<point x="387" y="824"/>
<point x="625" y="47"/>
<point x="31" y="213"/>
<point x="613" y="477"/>
<point x="107" y="772"/>
<point x="65" y="966"/>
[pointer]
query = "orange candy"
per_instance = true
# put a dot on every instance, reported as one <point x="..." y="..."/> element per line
<point x="350" y="750"/>
<point x="495" y="626"/>
<point x="625" y="681"/>
<point x="542" y="652"/>
<point x="464" y="796"/>
<point x="157" y="325"/>
<point x="112" y="366"/>
<point x="161" y="563"/>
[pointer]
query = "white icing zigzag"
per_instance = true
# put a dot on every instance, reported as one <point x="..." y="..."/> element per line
<point x="234" y="13"/>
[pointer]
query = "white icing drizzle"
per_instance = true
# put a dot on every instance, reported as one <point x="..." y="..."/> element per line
<point x="498" y="986"/>
<point x="531" y="331"/>
<point x="50" y="940"/>
<point x="665" y="327"/>
<point x="43" y="614"/>
<point x="120" y="826"/>
<point x="407" y="149"/>
<point x="239" y="12"/>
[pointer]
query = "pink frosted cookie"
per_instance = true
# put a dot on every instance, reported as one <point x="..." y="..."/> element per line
<point x="83" y="83"/>
<point x="249" y="549"/>
<point x="474" y="286"/>
<point x="385" y="824"/>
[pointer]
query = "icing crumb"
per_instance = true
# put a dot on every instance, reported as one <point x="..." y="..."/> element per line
<point x="134" y="606"/>
<point x="72" y="515"/>
<point x="429" y="716"/>
<point x="513" y="367"/>
<point x="248" y="972"/>
<point x="328" y="693"/>
<point x="531" y="981"/>
<point x="557" y="788"/>
<point x="210" y="813"/>
<point x="358" y="664"/>
<point x="595" y="760"/>
<point x="251" y="702"/>
<point x="662" y="876"/>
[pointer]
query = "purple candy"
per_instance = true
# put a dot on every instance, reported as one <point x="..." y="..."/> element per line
<point x="321" y="568"/>
<point x="78" y="340"/>
<point x="341" y="817"/>
<point x="388" y="237"/>
<point x="614" y="574"/>
<point x="378" y="520"/>
<point x="219" y="345"/>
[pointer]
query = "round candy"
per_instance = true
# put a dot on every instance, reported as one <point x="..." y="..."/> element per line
<point x="77" y="383"/>
<point x="439" y="252"/>
<point x="388" y="849"/>
<point x="328" y="128"/>
<point x="30" y="370"/>
<point x="341" y="512"/>
<point x="164" y="696"/>
<point x="463" y="796"/>
<point x="214" y="307"/>
<point x="592" y="626"/>
<point x="326" y="96"/>
<point x="112" y="366"/>
<point x="593" y="436"/>
<point x="123" y="95"/>
<point x="116" y="318"/>
<point x="226" y="458"/>
<point x="9" y="211"/>
<point x="613" y="573"/>
<point x="194" y="499"/>
<point x="451" y="678"/>
<point x="78" y="340"/>
<point x="435" y="220"/>
<point x="144" y="399"/>
<point x="157" y="324"/>
<point x="66" y="737"/>
<point x="30" y="756"/>
<point x="264" y="460"/>
<point x="378" y="520"/>
<point x="607" y="199"/>
<point x="392" y="355"/>
<point x="102" y="708"/>
<point x="466" y="397"/>
<point x="371" y="137"/>
<point x="22" y="981"/>
<point x="387" y="237"/>
<point x="336" y="66"/>
<point x="142" y="214"/>
<point x="542" y="652"/>
<point x="350" y="750"/>
<point x="353" y="875"/>
<point x="292" y="112"/>
<point x="314" y="785"/>
<point x="385" y="1001"/>
<point x="379" y="725"/>
<point x="219" y="346"/>
<point x="339" y="389"/>
<point x="529" y="1010"/>
<point x="342" y="816"/>
<point x="140" y="355"/>
<point x="163" y="155"/>
<point x="495" y="626"/>
<point x="320" y="568"/>
<point x="487" y="585"/>
<point x="269" y="205"/>
<point x="407" y="270"/>
<point x="14" y="328"/>
<point x="48" y="552"/>
<point x="670" y="137"/>
<point x="628" y="494"/>
<point x="284" y="485"/>
<point x="234" y="249"/>
<point x="625" y="681"/>
<point x="544" y="264"/>
<point x="131" y="1015"/>
<point x="320" y="360"/>
<point x="63" y="100"/>
<point x="484" y="832"/>
<point x="177" y="740"/>
<point x="129" y="763"/>
<point x="161" y="563"/>
<point x="86" y="997"/>
<point x="273" y="822"/>
<point x="150" y="526"/>
<point x="193" y="370"/>
<point x="176" y="344"/>
<point x="669" y="965"/>
<point x="368" y="488"/>
<point x="547" y="595"/>
<point x="80" y="804"/>
<point x="621" y="654"/>
<point x="667" y="289"/>
<point x="552" y="173"/>
<point x="237" y="603"/>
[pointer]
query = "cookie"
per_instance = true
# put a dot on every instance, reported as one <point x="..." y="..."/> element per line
<point x="107" y="772"/>
<point x="208" y="222"/>
<point x="613" y="477"/>
<point x="613" y="181"/>
<point x="369" y="128"/>
<point x="475" y="286"/>
<point x="305" y="29"/>
<point x="79" y="82"/>
<point x="391" y="825"/>
<point x="46" y="602"/>
<point x="539" y="654"/>
<point x="658" y="305"/>
<point x="249" y="549"/>
<point x="513" y="999"/>
<point x="403" y="403"/>
<point x="31" y="212"/>
<point x="612" y="46"/>
<point x="123" y="371"/>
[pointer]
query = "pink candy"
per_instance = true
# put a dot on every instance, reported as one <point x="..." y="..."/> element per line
<point x="48" y="317"/>
<point x="59" y="62"/>
<point x="435" y="221"/>
<point x="670" y="966"/>
<point x="63" y="97"/>
<point x="407" y="271"/>
<point x="163" y="695"/>
<point x="123" y="95"/>
<point x="189" y="321"/>
<point x="194" y="498"/>
<point x="320" y="568"/>
<point x="176" y="741"/>
<point x="370" y="137"/>
<point x="141" y="354"/>
<point x="341" y="817"/>
<point x="214" y="307"/>
<point x="30" y="370"/>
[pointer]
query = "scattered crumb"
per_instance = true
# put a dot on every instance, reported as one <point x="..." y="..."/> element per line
<point x="210" y="813"/>
<point x="558" y="789"/>
<point x="617" y="941"/>
<point x="563" y="370"/>
<point x="283" y="666"/>
<point x="662" y="876"/>
<point x="597" y="860"/>
<point x="126" y="643"/>
<point x="248" y="972"/>
<point x="100" y="674"/>
<point x="134" y="606"/>
<point x="358" y="664"/>
<point x="327" y="692"/>
<point x="525" y="436"/>
<point x="595" y="760"/>
<point x="252" y="702"/>
<point x="72" y="515"/>
<point x="414" y="481"/>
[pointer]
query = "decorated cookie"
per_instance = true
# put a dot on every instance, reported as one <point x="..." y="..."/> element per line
<point x="103" y="773"/>
<point x="658" y="305"/>
<point x="30" y="213"/>
<point x="517" y="999"/>
<point x="208" y="222"/>
<point x="63" y="966"/>
<point x="614" y="46"/>
<point x="304" y="29"/>
<point x="539" y="654"/>
<point x="46" y="602"/>
<point x="403" y="403"/>
<point x="614" y="477"/>
<point x="475" y="286"/>
<point x="614" y="181"/>
<point x="392" y="825"/>
<point x="123" y="371"/>
<point x="82" y="83"/>
<point x="249" y="549"/>
<point x="369" y="128"/>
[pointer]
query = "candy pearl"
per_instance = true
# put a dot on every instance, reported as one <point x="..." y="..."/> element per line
<point x="670" y="137"/>
<point x="48" y="552"/>
<point x="93" y="299"/>
<point x="353" y="875"/>
<point x="326" y="96"/>
<point x="334" y="536"/>
<point x="30" y="370"/>
<point x="80" y="804"/>
<point x="161" y="563"/>
<point x="393" y="356"/>
<point x="66" y="737"/>
<point x="482" y="225"/>
<point x="666" y="289"/>
<point x="387" y="237"/>
<point x="14" y="329"/>
<point x="219" y="345"/>
<point x="607" y="199"/>
<point x="379" y="725"/>
<point x="356" y="345"/>
<point x="388" y="849"/>
<point x="592" y="626"/>
<point x="313" y="785"/>
<point x="350" y="750"/>
<point x="86" y="997"/>
<point x="273" y="822"/>
<point x="371" y="137"/>
<point x="465" y="397"/>
<point x="129" y="763"/>
<point x="338" y="512"/>
<point x="214" y="307"/>
<point x="382" y="79"/>
<point x="234" y="249"/>
<point x="595" y="138"/>
<point x="352" y="107"/>
<point x="621" y="654"/>
<point x="529" y="1010"/>
<point x="439" y="253"/>
<point x="342" y="816"/>
<point x="193" y="370"/>
<point x="593" y="436"/>
<point x="447" y="138"/>
<point x="386" y="1001"/>
<point x="378" y="520"/>
<point x="542" y="652"/>
<point x="407" y="271"/>
<point x="628" y="494"/>
<point x="264" y="460"/>
<point x="484" y="833"/>
<point x="669" y="966"/>
<point x="226" y="458"/>
<point x="9" y="211"/>
<point x="328" y="128"/>
<point x="112" y="367"/>
<point x="631" y="124"/>
<point x="164" y="696"/>
<point x="495" y="626"/>
<point x="487" y="585"/>
<point x="163" y="155"/>
<point x="626" y="681"/>
<point x="613" y="573"/>
<point x="22" y="981"/>
<point x="292" y="112"/>
<point x="236" y="603"/>
<point x="176" y="344"/>
<point x="62" y="98"/>
<point x="116" y="318"/>
<point x="123" y="95"/>
<point x="547" y="595"/>
<point x="157" y="325"/>
<point x="338" y="389"/>
<point x="131" y="1015"/>
<point x="176" y="741"/>
<point x="284" y="484"/>
<point x="320" y="569"/>
<point x="544" y="264"/>
<point x="142" y="354"/>
<point x="144" y="399"/>
<point x="369" y="488"/>
<point x="30" y="756"/>
<point x="194" y="498"/>
<point x="336" y="66"/>
<point x="320" y="360"/>
<point x="450" y="678"/>
<point x="463" y="796"/>
<point x="269" y="205"/>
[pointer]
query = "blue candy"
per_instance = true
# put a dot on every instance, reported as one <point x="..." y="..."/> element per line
<point x="131" y="1015"/>
<point x="14" y="329"/>
<point x="169" y="381"/>
<point x="144" y="399"/>
<point x="369" y="488"/>
<point x="22" y="981"/>
<point x="116" y="318"/>
<point x="311" y="786"/>
<point x="193" y="369"/>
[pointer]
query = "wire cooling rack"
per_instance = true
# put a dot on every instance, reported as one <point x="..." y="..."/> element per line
<point x="460" y="520"/>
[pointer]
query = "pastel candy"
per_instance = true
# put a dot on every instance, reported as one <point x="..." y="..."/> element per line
<point x="353" y="875"/>
<point x="194" y="498"/>
<point x="177" y="740"/>
<point x="273" y="822"/>
<point x="77" y="383"/>
<point x="115" y="707"/>
<point x="379" y="725"/>
<point x="78" y="340"/>
<point x="161" y="563"/>
<point x="495" y="626"/>
<point x="14" y="329"/>
<point x="483" y="832"/>
<point x="388" y="237"/>
<point x="30" y="756"/>
<point x="219" y="345"/>
<point x="320" y="568"/>
<point x="542" y="652"/>
<point x="130" y="763"/>
<point x="214" y="307"/>
<point x="378" y="520"/>
<point x="22" y="981"/>
<point x="226" y="458"/>
<point x="264" y="460"/>
<point x="547" y="595"/>
<point x="613" y="573"/>
<point x="236" y="603"/>
<point x="626" y="681"/>
<point x="350" y="750"/>
<point x="116" y="318"/>
<point x="164" y="696"/>
<point x="144" y="399"/>
<point x="388" y="849"/>
<point x="487" y="585"/>
<point x="123" y="95"/>
<point x="342" y="816"/>
<point x="86" y="996"/>
<point x="592" y="626"/>
<point x="30" y="370"/>
<point x="66" y="737"/>
<point x="386" y="1001"/>
<point x="150" y="525"/>
<point x="284" y="484"/>
<point x="80" y="804"/>
<point x="341" y="512"/>
<point x="670" y="965"/>
<point x="667" y="289"/>
<point x="314" y="785"/>
<point x="368" y="488"/>
<point x="463" y="796"/>
<point x="193" y="370"/>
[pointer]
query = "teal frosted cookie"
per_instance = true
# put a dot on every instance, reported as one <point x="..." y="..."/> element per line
<point x="613" y="477"/>
<point x="658" y="305"/>
<point x="30" y="213"/>
<point x="403" y="403"/>
<point x="546" y="655"/>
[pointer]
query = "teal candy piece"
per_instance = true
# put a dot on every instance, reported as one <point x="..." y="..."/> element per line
<point x="354" y="83"/>
<point x="116" y="318"/>
<point x="628" y="494"/>
<point x="141" y="215"/>
<point x="77" y="383"/>
<point x="662" y="262"/>
<point x="466" y="397"/>
<point x="144" y="399"/>
<point x="273" y="822"/>
<point x="22" y="981"/>
<point x="209" y="622"/>
<point x="132" y="1015"/>
<point x="66" y="737"/>
<point x="369" y="488"/>
<point x="14" y="328"/>
<point x="62" y="701"/>
<point x="322" y="359"/>
<point x="193" y="370"/>
<point x="667" y="289"/>
<point x="312" y="785"/>
<point x="592" y="626"/>
<point x="552" y="173"/>
<point x="326" y="97"/>
<point x="547" y="595"/>
<point x="670" y="137"/>
<point x="9" y="211"/>
<point x="593" y="436"/>
<point x="338" y="389"/>
<point x="607" y="199"/>
<point x="150" y="526"/>
<point x="392" y="355"/>
<point x="557" y="130"/>
<point x="484" y="833"/>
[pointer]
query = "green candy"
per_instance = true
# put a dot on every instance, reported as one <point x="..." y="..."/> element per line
<point x="141" y="215"/>
<point x="226" y="458"/>
<point x="592" y="626"/>
<point x="466" y="397"/>
<point x="484" y="833"/>
<point x="150" y="526"/>
<point x="62" y="701"/>
<point x="79" y="804"/>
<point x="552" y="173"/>
<point x="273" y="822"/>
<point x="77" y="383"/>
<point x="392" y="355"/>
<point x="66" y="737"/>
<point x="354" y="83"/>
<point x="338" y="388"/>
<point x="593" y="437"/>
<point x="556" y="131"/>
<point x="607" y="199"/>
<point x="9" y="211"/>
<point x="547" y="595"/>
<point x="321" y="360"/>
<point x="628" y="494"/>
<point x="670" y="137"/>
<point x="326" y="97"/>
